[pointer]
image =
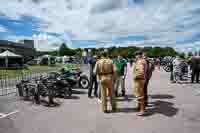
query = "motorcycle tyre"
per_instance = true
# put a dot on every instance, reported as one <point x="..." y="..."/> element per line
<point x="87" y="80"/>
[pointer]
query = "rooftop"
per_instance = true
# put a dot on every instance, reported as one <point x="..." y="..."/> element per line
<point x="17" y="44"/>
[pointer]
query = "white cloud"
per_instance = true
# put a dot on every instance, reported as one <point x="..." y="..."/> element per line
<point x="161" y="22"/>
<point x="2" y="29"/>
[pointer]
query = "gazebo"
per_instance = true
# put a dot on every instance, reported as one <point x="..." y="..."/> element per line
<point x="7" y="56"/>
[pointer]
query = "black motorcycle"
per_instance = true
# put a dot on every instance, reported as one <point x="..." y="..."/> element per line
<point x="166" y="63"/>
<point x="74" y="77"/>
<point x="51" y="88"/>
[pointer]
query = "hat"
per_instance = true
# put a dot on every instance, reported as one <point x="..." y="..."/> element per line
<point x="139" y="52"/>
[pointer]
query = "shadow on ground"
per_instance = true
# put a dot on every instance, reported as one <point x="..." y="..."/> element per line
<point x="78" y="92"/>
<point x="46" y="104"/>
<point x="162" y="96"/>
<point x="74" y="97"/>
<point x="126" y="110"/>
<point x="162" y="107"/>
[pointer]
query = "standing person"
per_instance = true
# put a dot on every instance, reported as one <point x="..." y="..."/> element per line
<point x="195" y="67"/>
<point x="157" y="62"/>
<point x="171" y="72"/>
<point x="177" y="69"/>
<point x="129" y="81"/>
<point x="84" y="56"/>
<point x="150" y="68"/>
<point x="93" y="79"/>
<point x="106" y="71"/>
<point x="139" y="71"/>
<point x="121" y="65"/>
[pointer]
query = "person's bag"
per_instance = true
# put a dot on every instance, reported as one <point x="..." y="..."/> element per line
<point x="105" y="67"/>
<point x="139" y="70"/>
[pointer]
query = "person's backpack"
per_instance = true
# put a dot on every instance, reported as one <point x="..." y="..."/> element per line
<point x="139" y="70"/>
<point x="105" y="66"/>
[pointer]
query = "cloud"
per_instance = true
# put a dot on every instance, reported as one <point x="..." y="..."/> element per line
<point x="163" y="23"/>
<point x="2" y="29"/>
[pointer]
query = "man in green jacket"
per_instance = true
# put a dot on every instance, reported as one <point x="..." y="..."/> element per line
<point x="121" y="65"/>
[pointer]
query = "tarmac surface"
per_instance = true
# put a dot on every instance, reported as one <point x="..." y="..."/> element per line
<point x="174" y="108"/>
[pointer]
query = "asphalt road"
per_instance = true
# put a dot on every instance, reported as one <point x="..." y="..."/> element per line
<point x="174" y="109"/>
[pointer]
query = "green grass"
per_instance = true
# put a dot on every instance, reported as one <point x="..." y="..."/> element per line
<point x="11" y="74"/>
<point x="70" y="66"/>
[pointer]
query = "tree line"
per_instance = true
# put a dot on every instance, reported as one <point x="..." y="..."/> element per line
<point x="127" y="52"/>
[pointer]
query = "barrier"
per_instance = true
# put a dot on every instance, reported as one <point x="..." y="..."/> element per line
<point x="8" y="82"/>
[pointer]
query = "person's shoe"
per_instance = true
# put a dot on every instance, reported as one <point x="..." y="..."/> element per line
<point x="114" y="110"/>
<point x="116" y="93"/>
<point x="105" y="111"/>
<point x="137" y="109"/>
<point x="96" y="95"/>
<point x="141" y="113"/>
<point x="90" y="96"/>
<point x="99" y="100"/>
<point x="123" y="93"/>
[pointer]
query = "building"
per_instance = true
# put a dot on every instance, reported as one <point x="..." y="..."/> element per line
<point x="23" y="47"/>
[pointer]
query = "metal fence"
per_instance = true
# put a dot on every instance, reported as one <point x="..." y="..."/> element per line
<point x="8" y="83"/>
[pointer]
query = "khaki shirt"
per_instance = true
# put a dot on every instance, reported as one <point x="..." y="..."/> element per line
<point x="140" y="68"/>
<point x="100" y="62"/>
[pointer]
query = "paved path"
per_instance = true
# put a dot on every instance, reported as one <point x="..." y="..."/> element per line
<point x="175" y="109"/>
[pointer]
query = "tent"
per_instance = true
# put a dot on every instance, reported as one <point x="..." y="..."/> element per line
<point x="7" y="55"/>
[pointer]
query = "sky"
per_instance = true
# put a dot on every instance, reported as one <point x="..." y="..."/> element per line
<point x="102" y="23"/>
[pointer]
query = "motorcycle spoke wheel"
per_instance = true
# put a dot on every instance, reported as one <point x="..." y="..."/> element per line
<point x="68" y="93"/>
<point x="84" y="83"/>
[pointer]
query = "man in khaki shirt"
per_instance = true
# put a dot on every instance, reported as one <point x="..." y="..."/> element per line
<point x="139" y="71"/>
<point x="106" y="71"/>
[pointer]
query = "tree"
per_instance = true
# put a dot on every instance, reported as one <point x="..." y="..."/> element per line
<point x="182" y="55"/>
<point x="62" y="49"/>
<point x="190" y="54"/>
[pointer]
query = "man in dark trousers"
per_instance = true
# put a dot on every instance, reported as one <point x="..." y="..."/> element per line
<point x="195" y="67"/>
<point x="150" y="69"/>
<point x="93" y="79"/>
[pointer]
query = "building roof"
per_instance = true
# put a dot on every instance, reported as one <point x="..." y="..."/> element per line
<point x="26" y="45"/>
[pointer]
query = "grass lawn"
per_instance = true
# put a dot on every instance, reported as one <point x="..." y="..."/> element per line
<point x="34" y="70"/>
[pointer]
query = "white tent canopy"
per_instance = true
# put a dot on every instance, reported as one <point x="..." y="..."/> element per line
<point x="9" y="54"/>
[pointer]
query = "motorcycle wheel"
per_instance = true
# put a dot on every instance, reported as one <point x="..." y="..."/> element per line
<point x="84" y="82"/>
<point x="51" y="97"/>
<point x="20" y="90"/>
<point x="37" y="96"/>
<point x="27" y="94"/>
<point x="68" y="93"/>
<point x="167" y="68"/>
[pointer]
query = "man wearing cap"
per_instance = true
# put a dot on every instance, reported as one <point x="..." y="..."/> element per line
<point x="106" y="71"/>
<point x="139" y="71"/>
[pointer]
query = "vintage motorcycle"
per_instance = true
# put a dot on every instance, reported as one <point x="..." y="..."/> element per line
<point x="74" y="77"/>
<point x="51" y="88"/>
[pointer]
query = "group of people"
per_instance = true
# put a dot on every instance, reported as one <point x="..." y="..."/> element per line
<point x="108" y="73"/>
<point x="190" y="66"/>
